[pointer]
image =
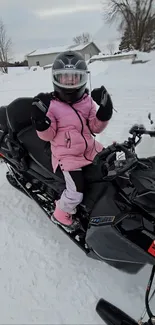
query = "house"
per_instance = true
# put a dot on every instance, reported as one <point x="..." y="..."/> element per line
<point x="44" y="57"/>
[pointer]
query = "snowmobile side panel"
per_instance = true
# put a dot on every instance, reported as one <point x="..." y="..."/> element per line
<point x="129" y="268"/>
<point x="110" y="241"/>
<point x="111" y="246"/>
<point x="144" y="182"/>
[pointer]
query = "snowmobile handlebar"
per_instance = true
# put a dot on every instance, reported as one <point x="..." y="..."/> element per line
<point x="103" y="159"/>
<point x="105" y="154"/>
<point x="139" y="130"/>
<point x="128" y="147"/>
<point x="151" y="133"/>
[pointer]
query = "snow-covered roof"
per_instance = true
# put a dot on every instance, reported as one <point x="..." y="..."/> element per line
<point x="49" y="50"/>
<point x="79" y="47"/>
<point x="59" y="49"/>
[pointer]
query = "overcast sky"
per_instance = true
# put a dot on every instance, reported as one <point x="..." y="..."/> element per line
<point x="36" y="24"/>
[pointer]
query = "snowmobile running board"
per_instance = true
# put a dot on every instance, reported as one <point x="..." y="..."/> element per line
<point x="34" y="196"/>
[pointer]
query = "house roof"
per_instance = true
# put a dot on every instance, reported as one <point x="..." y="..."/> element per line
<point x="79" y="47"/>
<point x="59" y="49"/>
<point x="48" y="50"/>
<point x="82" y="46"/>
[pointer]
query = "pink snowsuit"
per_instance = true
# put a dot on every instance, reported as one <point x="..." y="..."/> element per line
<point x="72" y="144"/>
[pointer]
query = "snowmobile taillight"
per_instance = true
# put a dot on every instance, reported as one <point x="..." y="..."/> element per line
<point x="1" y="155"/>
<point x="151" y="249"/>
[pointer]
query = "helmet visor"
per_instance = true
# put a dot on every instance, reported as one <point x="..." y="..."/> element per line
<point x="69" y="79"/>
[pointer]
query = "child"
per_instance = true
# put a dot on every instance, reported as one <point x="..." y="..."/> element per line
<point x="69" y="125"/>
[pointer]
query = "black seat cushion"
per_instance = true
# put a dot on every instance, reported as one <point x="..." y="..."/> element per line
<point x="38" y="149"/>
<point x="40" y="153"/>
<point x="3" y="119"/>
<point x="19" y="114"/>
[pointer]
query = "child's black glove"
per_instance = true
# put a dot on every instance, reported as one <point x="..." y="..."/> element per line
<point x="40" y="104"/>
<point x="45" y="98"/>
<point x="103" y="99"/>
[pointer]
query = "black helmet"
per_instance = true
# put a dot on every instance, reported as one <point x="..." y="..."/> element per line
<point x="69" y="73"/>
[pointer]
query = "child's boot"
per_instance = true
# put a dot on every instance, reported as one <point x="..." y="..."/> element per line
<point x="64" y="219"/>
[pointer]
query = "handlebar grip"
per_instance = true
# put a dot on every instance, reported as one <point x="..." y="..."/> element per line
<point x="104" y="153"/>
<point x="152" y="134"/>
<point x="101" y="155"/>
<point x="41" y="106"/>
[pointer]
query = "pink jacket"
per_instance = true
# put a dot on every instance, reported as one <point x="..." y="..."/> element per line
<point x="72" y="143"/>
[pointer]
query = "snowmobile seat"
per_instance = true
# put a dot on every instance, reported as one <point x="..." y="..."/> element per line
<point x="19" y="121"/>
<point x="3" y="119"/>
<point x="18" y="114"/>
<point x="38" y="149"/>
<point x="39" y="152"/>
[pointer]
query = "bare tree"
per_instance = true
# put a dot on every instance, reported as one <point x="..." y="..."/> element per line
<point x="5" y="47"/>
<point x="137" y="19"/>
<point x="82" y="39"/>
<point x="111" y="48"/>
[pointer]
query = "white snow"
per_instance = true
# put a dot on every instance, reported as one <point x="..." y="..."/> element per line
<point x="116" y="56"/>
<point x="45" y="278"/>
<point x="133" y="56"/>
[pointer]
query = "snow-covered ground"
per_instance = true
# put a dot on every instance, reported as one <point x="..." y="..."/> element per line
<point x="44" y="277"/>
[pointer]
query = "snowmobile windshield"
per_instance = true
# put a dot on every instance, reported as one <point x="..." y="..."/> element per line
<point x="69" y="78"/>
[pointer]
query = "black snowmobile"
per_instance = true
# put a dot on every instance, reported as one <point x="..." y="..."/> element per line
<point x="117" y="215"/>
